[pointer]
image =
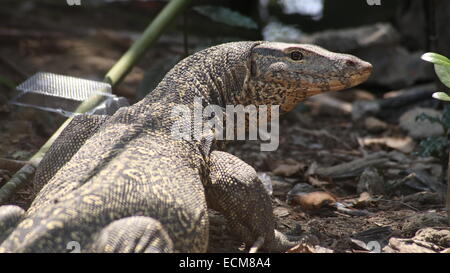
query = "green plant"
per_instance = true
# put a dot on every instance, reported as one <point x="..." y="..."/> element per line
<point x="437" y="146"/>
<point x="442" y="69"/>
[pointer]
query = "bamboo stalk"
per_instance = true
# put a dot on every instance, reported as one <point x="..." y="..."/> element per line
<point x="113" y="77"/>
<point x="153" y="31"/>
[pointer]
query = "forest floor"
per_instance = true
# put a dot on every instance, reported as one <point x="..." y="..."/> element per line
<point x="334" y="213"/>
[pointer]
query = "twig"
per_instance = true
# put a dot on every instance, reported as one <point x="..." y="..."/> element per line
<point x="401" y="202"/>
<point x="396" y="183"/>
<point x="352" y="168"/>
<point x="353" y="212"/>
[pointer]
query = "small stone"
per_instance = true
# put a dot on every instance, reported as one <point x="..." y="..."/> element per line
<point x="362" y="108"/>
<point x="421" y="128"/>
<point x="375" y="125"/>
<point x="301" y="188"/>
<point x="363" y="95"/>
<point x="371" y="181"/>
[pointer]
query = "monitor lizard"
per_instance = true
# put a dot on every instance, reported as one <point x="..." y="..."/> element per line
<point x="123" y="183"/>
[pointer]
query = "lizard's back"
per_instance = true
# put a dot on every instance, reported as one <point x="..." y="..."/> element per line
<point x="130" y="167"/>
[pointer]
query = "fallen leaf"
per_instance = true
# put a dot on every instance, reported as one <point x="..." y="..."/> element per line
<point x="405" y="144"/>
<point x="364" y="197"/>
<point x="314" y="200"/>
<point x="363" y="200"/>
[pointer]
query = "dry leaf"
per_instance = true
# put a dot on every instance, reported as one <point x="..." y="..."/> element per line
<point x="405" y="144"/>
<point x="363" y="200"/>
<point x="314" y="200"/>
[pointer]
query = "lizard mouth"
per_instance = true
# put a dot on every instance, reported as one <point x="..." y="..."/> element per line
<point x="328" y="88"/>
<point x="336" y="86"/>
<point x="361" y="73"/>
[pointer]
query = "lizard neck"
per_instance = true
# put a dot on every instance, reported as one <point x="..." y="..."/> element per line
<point x="216" y="75"/>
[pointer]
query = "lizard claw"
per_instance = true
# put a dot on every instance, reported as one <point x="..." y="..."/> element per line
<point x="282" y="242"/>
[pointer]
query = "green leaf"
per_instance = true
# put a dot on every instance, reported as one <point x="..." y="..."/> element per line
<point x="436" y="58"/>
<point x="441" y="96"/>
<point x="443" y="73"/>
<point x="435" y="146"/>
<point x="431" y="119"/>
<point x="226" y="16"/>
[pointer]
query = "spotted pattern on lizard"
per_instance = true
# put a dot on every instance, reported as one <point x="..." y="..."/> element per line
<point x="124" y="184"/>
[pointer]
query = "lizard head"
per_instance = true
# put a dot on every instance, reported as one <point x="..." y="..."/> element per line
<point x="286" y="74"/>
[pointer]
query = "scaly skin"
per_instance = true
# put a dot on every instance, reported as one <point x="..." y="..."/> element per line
<point x="126" y="185"/>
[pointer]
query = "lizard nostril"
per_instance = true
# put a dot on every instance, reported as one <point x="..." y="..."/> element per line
<point x="350" y="63"/>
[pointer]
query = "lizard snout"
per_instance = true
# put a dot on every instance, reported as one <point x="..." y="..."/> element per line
<point x="366" y="68"/>
<point x="359" y="70"/>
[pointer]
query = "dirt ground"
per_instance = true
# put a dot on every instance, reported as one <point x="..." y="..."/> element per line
<point x="313" y="135"/>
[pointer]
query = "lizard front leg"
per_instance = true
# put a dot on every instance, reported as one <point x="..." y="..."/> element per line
<point x="10" y="217"/>
<point x="136" y="234"/>
<point x="236" y="191"/>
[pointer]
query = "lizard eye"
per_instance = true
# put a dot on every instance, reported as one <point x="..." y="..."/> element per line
<point x="296" y="55"/>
